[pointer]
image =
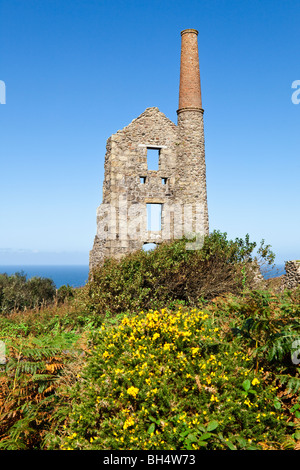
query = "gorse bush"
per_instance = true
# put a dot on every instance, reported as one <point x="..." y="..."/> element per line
<point x="168" y="380"/>
<point x="173" y="273"/>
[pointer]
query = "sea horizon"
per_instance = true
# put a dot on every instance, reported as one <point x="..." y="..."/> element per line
<point x="77" y="275"/>
<point x="74" y="275"/>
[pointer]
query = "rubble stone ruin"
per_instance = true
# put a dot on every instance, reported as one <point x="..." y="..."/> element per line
<point x="292" y="277"/>
<point x="154" y="187"/>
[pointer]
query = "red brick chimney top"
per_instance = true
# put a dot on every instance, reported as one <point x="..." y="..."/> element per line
<point x="194" y="31"/>
<point x="189" y="88"/>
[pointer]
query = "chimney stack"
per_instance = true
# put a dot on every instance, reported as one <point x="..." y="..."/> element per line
<point x="190" y="88"/>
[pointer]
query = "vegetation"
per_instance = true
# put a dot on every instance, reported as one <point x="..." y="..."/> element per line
<point x="18" y="293"/>
<point x="172" y="349"/>
<point x="172" y="273"/>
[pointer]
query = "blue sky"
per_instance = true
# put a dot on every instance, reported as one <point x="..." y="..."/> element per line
<point x="77" y="71"/>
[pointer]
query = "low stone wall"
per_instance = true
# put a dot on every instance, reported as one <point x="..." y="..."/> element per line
<point x="292" y="276"/>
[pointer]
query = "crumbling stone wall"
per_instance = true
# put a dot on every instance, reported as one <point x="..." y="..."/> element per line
<point x="122" y="216"/>
<point x="292" y="276"/>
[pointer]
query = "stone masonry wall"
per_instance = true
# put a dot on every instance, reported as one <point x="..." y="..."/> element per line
<point x="292" y="276"/>
<point x="191" y="182"/>
<point x="122" y="217"/>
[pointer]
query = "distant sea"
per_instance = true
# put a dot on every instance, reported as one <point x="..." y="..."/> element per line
<point x="74" y="276"/>
<point x="77" y="276"/>
<point x="277" y="270"/>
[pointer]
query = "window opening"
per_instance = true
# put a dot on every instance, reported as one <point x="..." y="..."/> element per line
<point x="154" y="217"/>
<point x="164" y="181"/>
<point x="153" y="159"/>
<point x="143" y="179"/>
<point x="149" y="247"/>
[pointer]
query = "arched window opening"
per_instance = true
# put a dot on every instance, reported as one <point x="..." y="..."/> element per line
<point x="149" y="247"/>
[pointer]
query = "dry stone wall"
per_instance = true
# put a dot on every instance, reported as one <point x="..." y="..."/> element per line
<point x="292" y="276"/>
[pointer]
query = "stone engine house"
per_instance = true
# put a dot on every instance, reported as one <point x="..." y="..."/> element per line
<point x="172" y="189"/>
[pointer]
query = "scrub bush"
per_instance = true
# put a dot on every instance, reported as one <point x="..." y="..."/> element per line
<point x="19" y="293"/>
<point x="172" y="273"/>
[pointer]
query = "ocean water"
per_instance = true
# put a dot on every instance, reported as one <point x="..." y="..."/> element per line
<point x="277" y="270"/>
<point x="77" y="276"/>
<point x="74" y="276"/>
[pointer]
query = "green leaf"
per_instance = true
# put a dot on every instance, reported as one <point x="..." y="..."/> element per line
<point x="192" y="438"/>
<point x="246" y="385"/>
<point x="295" y="407"/>
<point x="154" y="420"/>
<point x="188" y="445"/>
<point x="230" y="445"/>
<point x="205" y="436"/>
<point x="202" y="443"/>
<point x="242" y="441"/>
<point x="297" y="414"/>
<point x="151" y="428"/>
<point x="277" y="404"/>
<point x="297" y="434"/>
<point x="212" y="425"/>
<point x="201" y="428"/>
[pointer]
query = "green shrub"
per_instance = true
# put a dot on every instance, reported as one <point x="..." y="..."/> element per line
<point x="65" y="293"/>
<point x="18" y="293"/>
<point x="172" y="273"/>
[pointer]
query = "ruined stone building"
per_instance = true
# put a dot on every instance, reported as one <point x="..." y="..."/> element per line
<point x="174" y="189"/>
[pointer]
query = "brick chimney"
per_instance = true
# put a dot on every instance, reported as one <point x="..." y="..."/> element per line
<point x="191" y="150"/>
<point x="189" y="88"/>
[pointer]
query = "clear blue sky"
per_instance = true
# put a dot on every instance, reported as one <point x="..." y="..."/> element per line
<point x="76" y="71"/>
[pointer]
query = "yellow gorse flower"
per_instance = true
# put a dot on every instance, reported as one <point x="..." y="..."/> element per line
<point x="133" y="391"/>
<point x="255" y="381"/>
<point x="155" y="336"/>
<point x="194" y="351"/>
<point x="128" y="422"/>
